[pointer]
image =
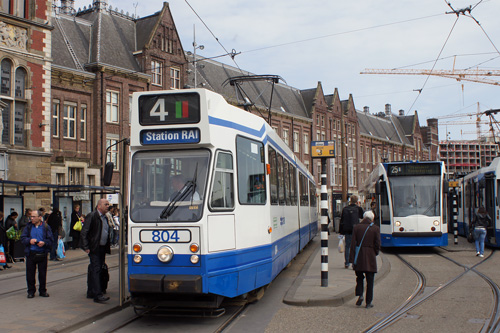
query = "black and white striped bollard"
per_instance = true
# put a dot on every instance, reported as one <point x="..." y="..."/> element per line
<point x="324" y="226"/>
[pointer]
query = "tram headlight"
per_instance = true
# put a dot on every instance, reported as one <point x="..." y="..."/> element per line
<point x="137" y="247"/>
<point x="137" y="258"/>
<point x="194" y="247"/>
<point x="397" y="224"/>
<point x="194" y="259"/>
<point x="436" y="223"/>
<point x="165" y="253"/>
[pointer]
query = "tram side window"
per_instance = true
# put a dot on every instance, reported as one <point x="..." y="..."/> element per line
<point x="312" y="194"/>
<point x="287" y="181"/>
<point x="293" y="185"/>
<point x="222" y="196"/>
<point x="251" y="171"/>
<point x="304" y="197"/>
<point x="273" y="176"/>
<point x="281" y="182"/>
<point x="384" y="204"/>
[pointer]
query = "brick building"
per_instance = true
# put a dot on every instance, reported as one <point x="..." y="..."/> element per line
<point x="463" y="157"/>
<point x="25" y="67"/>
<point x="104" y="56"/>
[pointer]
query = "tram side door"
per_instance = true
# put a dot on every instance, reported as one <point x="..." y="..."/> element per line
<point x="490" y="205"/>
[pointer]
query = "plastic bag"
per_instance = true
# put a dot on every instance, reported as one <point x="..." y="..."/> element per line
<point x="61" y="252"/>
<point x="341" y="244"/>
<point x="3" y="259"/>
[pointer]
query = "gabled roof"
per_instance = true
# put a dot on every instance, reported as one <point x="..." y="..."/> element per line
<point x="386" y="128"/>
<point x="285" y="99"/>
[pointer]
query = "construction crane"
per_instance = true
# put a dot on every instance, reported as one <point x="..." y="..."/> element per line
<point x="472" y="75"/>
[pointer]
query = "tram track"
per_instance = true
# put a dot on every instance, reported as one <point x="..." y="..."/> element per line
<point x="492" y="324"/>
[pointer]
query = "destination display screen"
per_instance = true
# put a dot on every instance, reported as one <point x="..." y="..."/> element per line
<point x="414" y="169"/>
<point x="170" y="136"/>
<point x="167" y="109"/>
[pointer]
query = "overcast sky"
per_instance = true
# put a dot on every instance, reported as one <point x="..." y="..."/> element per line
<point x="333" y="41"/>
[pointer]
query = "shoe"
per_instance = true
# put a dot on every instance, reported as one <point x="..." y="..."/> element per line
<point x="481" y="256"/>
<point x="346" y="266"/>
<point x="44" y="294"/>
<point x="90" y="296"/>
<point x="101" y="299"/>
<point x="369" y="305"/>
<point x="477" y="254"/>
<point x="31" y="295"/>
<point x="360" y="300"/>
<point x="7" y="266"/>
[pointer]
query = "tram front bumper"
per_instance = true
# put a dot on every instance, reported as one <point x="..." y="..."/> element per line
<point x="160" y="283"/>
<point x="417" y="234"/>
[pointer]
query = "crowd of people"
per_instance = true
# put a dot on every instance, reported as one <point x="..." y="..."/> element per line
<point x="41" y="233"/>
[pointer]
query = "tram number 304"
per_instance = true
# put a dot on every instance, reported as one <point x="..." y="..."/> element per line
<point x="166" y="236"/>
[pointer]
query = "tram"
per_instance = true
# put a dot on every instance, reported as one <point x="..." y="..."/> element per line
<point x="411" y="203"/>
<point x="219" y="204"/>
<point x="480" y="188"/>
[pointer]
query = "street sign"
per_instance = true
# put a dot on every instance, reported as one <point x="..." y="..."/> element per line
<point x="322" y="149"/>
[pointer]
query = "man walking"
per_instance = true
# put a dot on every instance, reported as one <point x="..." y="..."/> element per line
<point x="37" y="239"/>
<point x="95" y="239"/>
<point x="350" y="217"/>
<point x="366" y="235"/>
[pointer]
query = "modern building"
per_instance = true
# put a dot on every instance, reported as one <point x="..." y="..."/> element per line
<point x="463" y="157"/>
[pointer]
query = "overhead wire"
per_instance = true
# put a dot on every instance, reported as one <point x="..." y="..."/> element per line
<point x="434" y="65"/>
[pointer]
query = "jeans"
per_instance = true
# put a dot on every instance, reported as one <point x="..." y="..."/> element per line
<point x="347" y="248"/>
<point x="479" y="236"/>
<point x="97" y="259"/>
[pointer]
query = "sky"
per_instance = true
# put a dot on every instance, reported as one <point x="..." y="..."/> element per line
<point x="306" y="42"/>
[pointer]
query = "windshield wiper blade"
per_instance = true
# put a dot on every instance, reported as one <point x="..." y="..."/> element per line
<point x="180" y="196"/>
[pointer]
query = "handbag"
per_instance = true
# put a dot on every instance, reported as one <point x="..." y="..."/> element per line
<point x="61" y="252"/>
<point x="78" y="226"/>
<point x="341" y="246"/>
<point x="3" y="259"/>
<point x="470" y="237"/>
<point x="356" y="250"/>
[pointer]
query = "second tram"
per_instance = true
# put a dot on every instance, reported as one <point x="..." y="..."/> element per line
<point x="411" y="203"/>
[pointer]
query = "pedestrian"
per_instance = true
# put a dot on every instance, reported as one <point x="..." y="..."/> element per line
<point x="4" y="240"/>
<point x="479" y="225"/>
<point x="11" y="222"/>
<point x="351" y="215"/>
<point x="37" y="239"/>
<point x="116" y="226"/>
<point x="366" y="235"/>
<point x="76" y="215"/>
<point x="45" y="215"/>
<point x="55" y="222"/>
<point x="25" y="219"/>
<point x="96" y="242"/>
<point x="374" y="209"/>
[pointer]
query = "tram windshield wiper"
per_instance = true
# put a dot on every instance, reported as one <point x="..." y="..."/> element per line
<point x="188" y="188"/>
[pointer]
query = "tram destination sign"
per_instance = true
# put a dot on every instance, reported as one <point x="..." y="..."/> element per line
<point x="322" y="149"/>
<point x="170" y="136"/>
<point x="168" y="109"/>
<point x="414" y="169"/>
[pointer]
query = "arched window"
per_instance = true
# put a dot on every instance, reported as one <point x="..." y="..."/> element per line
<point x="13" y="94"/>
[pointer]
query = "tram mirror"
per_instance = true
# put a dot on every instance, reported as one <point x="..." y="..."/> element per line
<point x="446" y="187"/>
<point x="377" y="188"/>
<point x="108" y="173"/>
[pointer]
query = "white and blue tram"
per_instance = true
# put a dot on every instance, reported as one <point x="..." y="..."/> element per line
<point x="219" y="204"/>
<point x="411" y="203"/>
<point x="480" y="188"/>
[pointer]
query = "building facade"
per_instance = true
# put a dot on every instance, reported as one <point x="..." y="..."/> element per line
<point x="463" y="157"/>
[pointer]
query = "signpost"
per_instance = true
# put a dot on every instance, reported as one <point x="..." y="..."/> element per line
<point x="323" y="150"/>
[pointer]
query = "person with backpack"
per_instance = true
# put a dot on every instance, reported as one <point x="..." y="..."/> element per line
<point x="351" y="216"/>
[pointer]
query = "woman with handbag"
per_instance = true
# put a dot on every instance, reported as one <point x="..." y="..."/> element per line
<point x="37" y="239"/>
<point x="481" y="222"/>
<point x="76" y="216"/>
<point x="365" y="247"/>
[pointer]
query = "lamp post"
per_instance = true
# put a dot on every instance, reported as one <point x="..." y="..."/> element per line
<point x="195" y="47"/>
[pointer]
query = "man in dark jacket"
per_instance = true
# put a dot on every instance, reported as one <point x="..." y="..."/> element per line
<point x="95" y="239"/>
<point x="37" y="239"/>
<point x="366" y="234"/>
<point x="351" y="215"/>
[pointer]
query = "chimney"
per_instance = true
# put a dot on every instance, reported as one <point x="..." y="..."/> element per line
<point x="366" y="109"/>
<point x="100" y="4"/>
<point x="401" y="112"/>
<point x="67" y="6"/>
<point x="388" y="109"/>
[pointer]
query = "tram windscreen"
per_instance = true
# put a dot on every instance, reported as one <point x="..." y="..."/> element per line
<point x="415" y="195"/>
<point x="168" y="185"/>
